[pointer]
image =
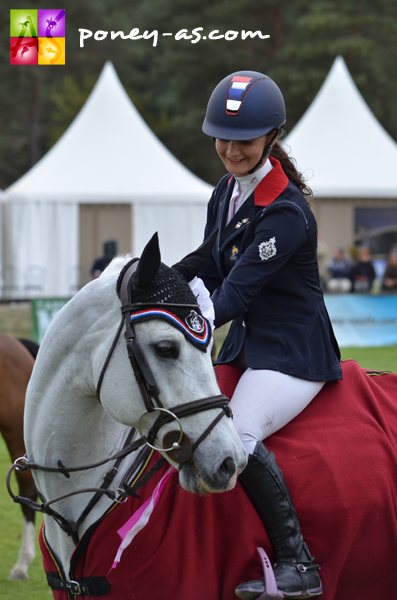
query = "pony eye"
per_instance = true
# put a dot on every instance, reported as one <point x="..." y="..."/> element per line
<point x="167" y="349"/>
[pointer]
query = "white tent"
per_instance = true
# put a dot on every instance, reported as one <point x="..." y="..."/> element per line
<point x="339" y="145"/>
<point x="107" y="155"/>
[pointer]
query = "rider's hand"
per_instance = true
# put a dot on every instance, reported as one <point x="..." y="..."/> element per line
<point x="203" y="299"/>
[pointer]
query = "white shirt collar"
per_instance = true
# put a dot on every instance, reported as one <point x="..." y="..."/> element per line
<point x="244" y="186"/>
<point x="249" y="182"/>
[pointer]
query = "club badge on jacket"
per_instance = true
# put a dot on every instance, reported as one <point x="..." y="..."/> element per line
<point x="234" y="253"/>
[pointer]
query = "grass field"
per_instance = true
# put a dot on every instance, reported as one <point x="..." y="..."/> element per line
<point x="10" y="539"/>
<point x="15" y="319"/>
<point x="380" y="359"/>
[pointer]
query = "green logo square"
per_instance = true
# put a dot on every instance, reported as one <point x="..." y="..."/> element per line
<point x="24" y="22"/>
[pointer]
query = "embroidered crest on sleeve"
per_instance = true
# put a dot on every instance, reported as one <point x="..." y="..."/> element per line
<point x="267" y="249"/>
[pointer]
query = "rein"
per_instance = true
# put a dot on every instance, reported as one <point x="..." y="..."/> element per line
<point x="180" y="448"/>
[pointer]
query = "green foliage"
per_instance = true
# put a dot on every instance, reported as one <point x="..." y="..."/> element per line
<point x="67" y="100"/>
<point x="171" y="83"/>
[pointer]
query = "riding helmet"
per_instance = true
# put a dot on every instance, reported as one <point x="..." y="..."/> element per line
<point x="244" y="106"/>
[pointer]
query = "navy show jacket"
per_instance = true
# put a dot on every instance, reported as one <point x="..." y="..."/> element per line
<point x="263" y="276"/>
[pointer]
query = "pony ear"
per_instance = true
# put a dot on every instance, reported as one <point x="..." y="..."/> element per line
<point x="192" y="264"/>
<point x="148" y="264"/>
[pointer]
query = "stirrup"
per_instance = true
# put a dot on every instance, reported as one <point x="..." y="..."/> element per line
<point x="271" y="591"/>
<point x="267" y="587"/>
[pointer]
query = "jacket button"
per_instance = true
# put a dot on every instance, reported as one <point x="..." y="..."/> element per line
<point x="243" y="323"/>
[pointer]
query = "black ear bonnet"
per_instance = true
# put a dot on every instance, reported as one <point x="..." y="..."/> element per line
<point x="168" y="286"/>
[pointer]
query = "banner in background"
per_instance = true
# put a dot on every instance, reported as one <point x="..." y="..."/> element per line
<point x="358" y="320"/>
<point x="43" y="312"/>
<point x="361" y="320"/>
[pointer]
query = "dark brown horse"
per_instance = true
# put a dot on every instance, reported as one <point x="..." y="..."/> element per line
<point x="16" y="364"/>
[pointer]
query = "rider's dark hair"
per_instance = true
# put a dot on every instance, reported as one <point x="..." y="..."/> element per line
<point x="289" y="167"/>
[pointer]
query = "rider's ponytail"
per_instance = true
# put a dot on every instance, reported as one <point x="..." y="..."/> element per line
<point x="289" y="167"/>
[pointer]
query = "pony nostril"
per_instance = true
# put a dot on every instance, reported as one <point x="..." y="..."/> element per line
<point x="228" y="468"/>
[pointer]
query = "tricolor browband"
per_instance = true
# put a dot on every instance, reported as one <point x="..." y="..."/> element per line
<point x="196" y="327"/>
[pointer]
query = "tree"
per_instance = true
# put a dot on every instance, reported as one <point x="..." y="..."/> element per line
<point x="170" y="83"/>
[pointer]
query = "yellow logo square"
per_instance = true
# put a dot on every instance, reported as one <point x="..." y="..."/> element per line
<point x="51" y="51"/>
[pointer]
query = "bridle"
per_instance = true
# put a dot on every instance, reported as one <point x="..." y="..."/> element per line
<point x="179" y="447"/>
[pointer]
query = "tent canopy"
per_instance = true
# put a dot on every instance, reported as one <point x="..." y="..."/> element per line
<point x="109" y="154"/>
<point x="339" y="145"/>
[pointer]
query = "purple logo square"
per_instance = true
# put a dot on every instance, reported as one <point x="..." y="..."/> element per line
<point x="51" y="22"/>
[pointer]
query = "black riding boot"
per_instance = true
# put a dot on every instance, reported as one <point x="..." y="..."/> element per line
<point x="296" y="575"/>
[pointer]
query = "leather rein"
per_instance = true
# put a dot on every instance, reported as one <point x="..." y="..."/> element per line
<point x="180" y="448"/>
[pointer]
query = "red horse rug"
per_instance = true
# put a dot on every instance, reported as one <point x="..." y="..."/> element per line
<point x="339" y="458"/>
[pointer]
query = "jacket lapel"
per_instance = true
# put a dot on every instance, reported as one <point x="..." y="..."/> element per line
<point x="270" y="188"/>
<point x="221" y="220"/>
<point x="240" y="221"/>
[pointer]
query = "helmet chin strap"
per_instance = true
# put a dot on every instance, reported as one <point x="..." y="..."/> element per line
<point x="265" y="154"/>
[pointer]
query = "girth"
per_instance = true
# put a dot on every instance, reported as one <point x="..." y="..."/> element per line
<point x="86" y="586"/>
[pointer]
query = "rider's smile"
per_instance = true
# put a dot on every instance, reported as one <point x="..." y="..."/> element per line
<point x="239" y="157"/>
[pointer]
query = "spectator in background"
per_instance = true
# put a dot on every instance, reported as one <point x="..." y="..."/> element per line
<point x="363" y="272"/>
<point x="389" y="281"/>
<point x="339" y="270"/>
<point x="100" y="263"/>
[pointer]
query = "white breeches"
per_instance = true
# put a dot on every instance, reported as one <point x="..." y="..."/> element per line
<point x="264" y="401"/>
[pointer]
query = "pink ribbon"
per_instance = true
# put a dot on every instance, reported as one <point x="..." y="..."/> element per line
<point x="139" y="519"/>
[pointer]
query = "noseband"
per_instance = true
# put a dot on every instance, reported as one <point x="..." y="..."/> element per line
<point x="180" y="448"/>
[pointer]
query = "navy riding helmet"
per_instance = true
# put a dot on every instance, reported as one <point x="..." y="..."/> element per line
<point x="244" y="106"/>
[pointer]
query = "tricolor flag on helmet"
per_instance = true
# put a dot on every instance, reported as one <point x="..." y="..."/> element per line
<point x="236" y="91"/>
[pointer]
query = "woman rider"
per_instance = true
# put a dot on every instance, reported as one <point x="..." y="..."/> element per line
<point x="263" y="277"/>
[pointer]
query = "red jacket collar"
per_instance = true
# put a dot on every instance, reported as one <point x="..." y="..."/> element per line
<point x="272" y="185"/>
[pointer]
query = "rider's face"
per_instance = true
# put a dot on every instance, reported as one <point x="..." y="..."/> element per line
<point x="239" y="157"/>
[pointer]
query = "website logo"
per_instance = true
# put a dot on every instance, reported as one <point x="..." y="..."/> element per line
<point x="37" y="37"/>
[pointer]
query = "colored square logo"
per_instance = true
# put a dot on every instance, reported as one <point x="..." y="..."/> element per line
<point x="37" y="36"/>
<point x="23" y="23"/>
<point x="23" y="51"/>
<point x="51" y="51"/>
<point x="51" y="23"/>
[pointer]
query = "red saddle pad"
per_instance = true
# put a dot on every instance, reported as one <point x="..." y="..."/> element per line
<point x="339" y="458"/>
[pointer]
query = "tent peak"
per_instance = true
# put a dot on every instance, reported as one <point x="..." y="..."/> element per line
<point x="341" y="142"/>
<point x="107" y="70"/>
<point x="109" y="151"/>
